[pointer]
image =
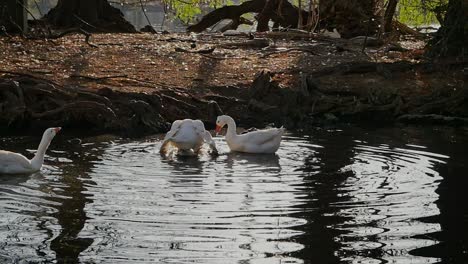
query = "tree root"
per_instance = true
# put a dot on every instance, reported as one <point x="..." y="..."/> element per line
<point x="433" y="119"/>
<point x="313" y="100"/>
<point x="29" y="103"/>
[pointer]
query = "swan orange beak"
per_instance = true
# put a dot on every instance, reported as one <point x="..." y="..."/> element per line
<point x="218" y="128"/>
<point x="57" y="129"/>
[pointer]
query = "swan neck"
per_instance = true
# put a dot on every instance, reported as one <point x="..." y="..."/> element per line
<point x="232" y="128"/>
<point x="38" y="159"/>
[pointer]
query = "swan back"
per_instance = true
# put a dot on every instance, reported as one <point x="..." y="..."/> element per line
<point x="259" y="141"/>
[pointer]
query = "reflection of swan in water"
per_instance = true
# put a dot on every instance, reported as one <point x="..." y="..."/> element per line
<point x="265" y="163"/>
<point x="17" y="179"/>
<point x="183" y="164"/>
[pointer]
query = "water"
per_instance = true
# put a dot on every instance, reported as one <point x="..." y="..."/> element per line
<point x="349" y="195"/>
<point x="158" y="16"/>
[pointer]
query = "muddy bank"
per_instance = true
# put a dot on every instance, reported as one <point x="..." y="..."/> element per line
<point x="358" y="92"/>
<point x="137" y="84"/>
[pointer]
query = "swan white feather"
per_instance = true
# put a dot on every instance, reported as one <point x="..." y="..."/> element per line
<point x="188" y="136"/>
<point x="260" y="141"/>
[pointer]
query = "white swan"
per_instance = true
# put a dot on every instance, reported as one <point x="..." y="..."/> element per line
<point x="15" y="163"/>
<point x="260" y="141"/>
<point x="188" y="137"/>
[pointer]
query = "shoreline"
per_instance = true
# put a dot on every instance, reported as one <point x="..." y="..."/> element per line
<point x="296" y="83"/>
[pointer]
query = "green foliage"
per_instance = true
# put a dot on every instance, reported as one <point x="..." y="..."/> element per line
<point x="187" y="10"/>
<point x="419" y="12"/>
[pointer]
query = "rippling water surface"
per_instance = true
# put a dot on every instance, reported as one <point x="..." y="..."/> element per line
<point x="352" y="195"/>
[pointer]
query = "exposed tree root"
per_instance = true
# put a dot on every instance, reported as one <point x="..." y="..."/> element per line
<point x="282" y="13"/>
<point x="359" y="91"/>
<point x="314" y="101"/>
<point x="27" y="102"/>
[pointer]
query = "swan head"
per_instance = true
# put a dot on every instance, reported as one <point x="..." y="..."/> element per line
<point x="221" y="121"/>
<point x="51" y="132"/>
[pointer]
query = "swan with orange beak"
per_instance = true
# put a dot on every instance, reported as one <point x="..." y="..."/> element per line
<point x="265" y="141"/>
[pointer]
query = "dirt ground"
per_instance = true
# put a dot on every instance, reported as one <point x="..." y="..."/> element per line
<point x="150" y="61"/>
<point x="215" y="66"/>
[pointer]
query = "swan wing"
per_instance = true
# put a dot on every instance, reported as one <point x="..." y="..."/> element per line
<point x="209" y="140"/>
<point x="199" y="126"/>
<point x="13" y="162"/>
<point x="261" y="137"/>
<point x="184" y="134"/>
<point x="169" y="135"/>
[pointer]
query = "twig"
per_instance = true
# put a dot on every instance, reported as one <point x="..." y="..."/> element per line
<point x="86" y="23"/>
<point x="299" y="20"/>
<point x="76" y="30"/>
<point x="367" y="35"/>
<point x="288" y="50"/>
<point x="30" y="76"/>
<point x="34" y="17"/>
<point x="3" y="29"/>
<point x="201" y="51"/>
<point x="38" y="8"/>
<point x="18" y="27"/>
<point x="164" y="16"/>
<point x="144" y="12"/>
<point x="20" y="94"/>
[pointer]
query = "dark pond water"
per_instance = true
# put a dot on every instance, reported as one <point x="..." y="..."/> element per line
<point x="349" y="195"/>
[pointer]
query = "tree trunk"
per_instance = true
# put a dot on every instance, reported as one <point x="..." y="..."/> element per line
<point x="389" y="13"/>
<point x="450" y="38"/>
<point x="264" y="17"/>
<point x="93" y="15"/>
<point x="350" y="17"/>
<point x="13" y="15"/>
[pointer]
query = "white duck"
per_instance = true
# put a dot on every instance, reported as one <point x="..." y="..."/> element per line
<point x="188" y="137"/>
<point x="260" y="141"/>
<point x="15" y="163"/>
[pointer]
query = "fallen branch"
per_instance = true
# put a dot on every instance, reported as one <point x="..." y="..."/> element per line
<point x="289" y="50"/>
<point x="98" y="78"/>
<point x="259" y="43"/>
<point x="227" y="12"/>
<point x="75" y="30"/>
<point x="201" y="51"/>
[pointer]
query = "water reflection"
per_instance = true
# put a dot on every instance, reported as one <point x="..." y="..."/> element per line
<point x="268" y="163"/>
<point x="390" y="188"/>
<point x="322" y="173"/>
<point x="331" y="196"/>
<point x="26" y="229"/>
<point x="49" y="204"/>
